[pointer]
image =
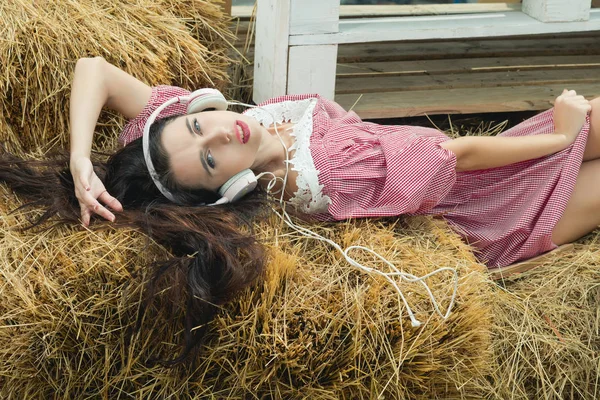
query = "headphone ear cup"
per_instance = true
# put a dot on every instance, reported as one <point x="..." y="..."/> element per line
<point x="204" y="99"/>
<point x="238" y="185"/>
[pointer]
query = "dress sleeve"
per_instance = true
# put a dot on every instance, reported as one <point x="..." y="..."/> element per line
<point x="135" y="127"/>
<point x="391" y="175"/>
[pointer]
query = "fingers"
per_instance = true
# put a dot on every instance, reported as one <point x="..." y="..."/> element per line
<point x="568" y="93"/>
<point x="572" y="97"/>
<point x="571" y="93"/>
<point x="110" y="201"/>
<point x="91" y="205"/>
<point x="85" y="216"/>
<point x="102" y="211"/>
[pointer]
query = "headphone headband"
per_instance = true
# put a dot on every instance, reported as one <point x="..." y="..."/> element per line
<point x="146" y="145"/>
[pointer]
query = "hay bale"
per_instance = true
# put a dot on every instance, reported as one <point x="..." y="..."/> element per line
<point x="180" y="42"/>
<point x="318" y="328"/>
<point x="547" y="329"/>
<point x="313" y="328"/>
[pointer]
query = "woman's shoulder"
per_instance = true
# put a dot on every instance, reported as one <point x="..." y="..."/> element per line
<point x="160" y="94"/>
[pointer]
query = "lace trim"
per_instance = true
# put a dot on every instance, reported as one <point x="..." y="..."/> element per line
<point x="309" y="197"/>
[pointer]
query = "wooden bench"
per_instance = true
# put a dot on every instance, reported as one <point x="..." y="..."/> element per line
<point x="397" y="62"/>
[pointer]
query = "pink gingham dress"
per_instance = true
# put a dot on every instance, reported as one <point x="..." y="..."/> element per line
<point x="368" y="170"/>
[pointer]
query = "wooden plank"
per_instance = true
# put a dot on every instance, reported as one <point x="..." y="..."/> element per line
<point x="442" y="27"/>
<point x="586" y="41"/>
<point x="311" y="69"/>
<point x="465" y="65"/>
<point x="439" y="68"/>
<point x="459" y="101"/>
<point x="394" y="83"/>
<point x="481" y="48"/>
<point x="242" y="26"/>
<point x="353" y="11"/>
<point x="557" y="10"/>
<point x="476" y="48"/>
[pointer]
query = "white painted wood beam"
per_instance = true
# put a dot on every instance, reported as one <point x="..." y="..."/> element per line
<point x="558" y="10"/>
<point x="443" y="27"/>
<point x="310" y="17"/>
<point x="312" y="70"/>
<point x="271" y="50"/>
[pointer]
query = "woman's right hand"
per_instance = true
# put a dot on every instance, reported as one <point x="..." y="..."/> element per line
<point x="90" y="191"/>
<point x="570" y="111"/>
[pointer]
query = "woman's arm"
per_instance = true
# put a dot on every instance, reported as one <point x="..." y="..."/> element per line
<point x="97" y="84"/>
<point x="481" y="152"/>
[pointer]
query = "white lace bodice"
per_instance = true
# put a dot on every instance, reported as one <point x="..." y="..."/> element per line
<point x="309" y="197"/>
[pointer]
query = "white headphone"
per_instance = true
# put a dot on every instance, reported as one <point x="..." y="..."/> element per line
<point x="238" y="185"/>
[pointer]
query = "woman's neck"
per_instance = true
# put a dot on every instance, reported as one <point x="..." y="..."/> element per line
<point x="276" y="159"/>
<point x="272" y="152"/>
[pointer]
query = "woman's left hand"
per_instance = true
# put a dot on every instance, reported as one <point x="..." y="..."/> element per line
<point x="90" y="190"/>
<point x="570" y="111"/>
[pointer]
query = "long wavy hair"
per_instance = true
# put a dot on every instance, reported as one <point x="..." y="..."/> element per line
<point x="215" y="254"/>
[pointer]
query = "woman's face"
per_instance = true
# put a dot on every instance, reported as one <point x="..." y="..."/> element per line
<point x="207" y="148"/>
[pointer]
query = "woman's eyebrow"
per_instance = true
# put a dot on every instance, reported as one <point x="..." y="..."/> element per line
<point x="187" y="123"/>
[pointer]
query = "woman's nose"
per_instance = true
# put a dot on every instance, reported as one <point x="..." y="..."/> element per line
<point x="218" y="136"/>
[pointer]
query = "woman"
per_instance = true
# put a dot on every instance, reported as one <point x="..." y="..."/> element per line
<point x="512" y="197"/>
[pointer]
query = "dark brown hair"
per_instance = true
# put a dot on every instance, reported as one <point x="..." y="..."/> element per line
<point x="215" y="252"/>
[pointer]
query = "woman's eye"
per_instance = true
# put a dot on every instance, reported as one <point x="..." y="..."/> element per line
<point x="197" y="126"/>
<point x="210" y="160"/>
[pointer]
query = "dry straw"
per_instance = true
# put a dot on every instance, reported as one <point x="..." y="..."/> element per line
<point x="180" y="42"/>
<point x="314" y="327"/>
<point x="547" y="330"/>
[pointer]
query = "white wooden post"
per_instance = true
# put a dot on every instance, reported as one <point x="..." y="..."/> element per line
<point x="271" y="50"/>
<point x="283" y="69"/>
<point x="558" y="10"/>
<point x="311" y="68"/>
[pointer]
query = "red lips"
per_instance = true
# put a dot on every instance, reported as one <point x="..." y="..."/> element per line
<point x="243" y="138"/>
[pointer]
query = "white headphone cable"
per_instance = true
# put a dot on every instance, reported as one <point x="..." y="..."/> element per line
<point x="387" y="275"/>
